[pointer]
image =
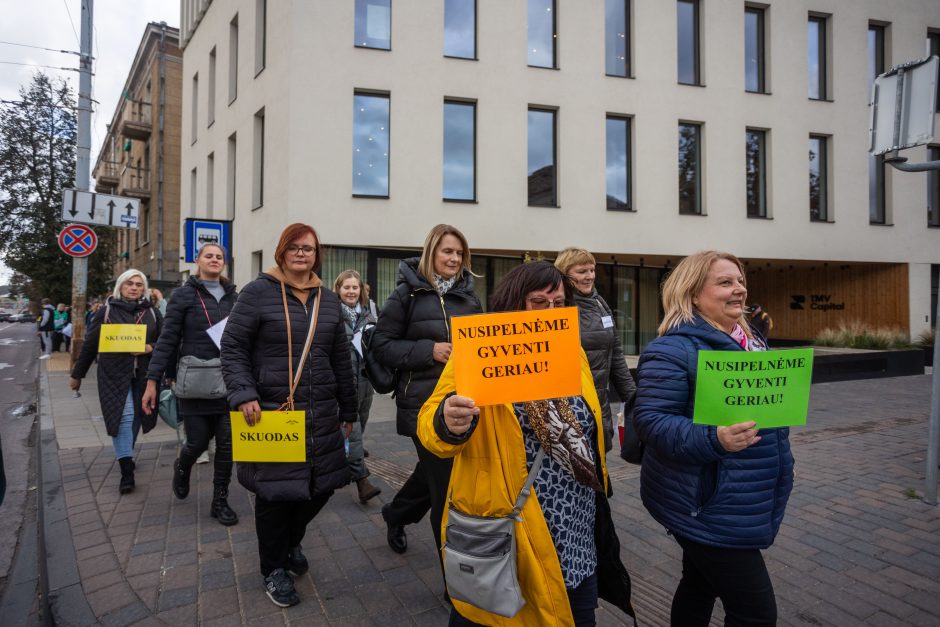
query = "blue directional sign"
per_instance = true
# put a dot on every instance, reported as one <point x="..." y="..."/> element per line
<point x="199" y="232"/>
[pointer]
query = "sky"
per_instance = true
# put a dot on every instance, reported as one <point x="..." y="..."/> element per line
<point x="118" y="25"/>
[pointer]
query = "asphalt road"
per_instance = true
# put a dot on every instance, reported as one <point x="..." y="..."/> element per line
<point x="19" y="352"/>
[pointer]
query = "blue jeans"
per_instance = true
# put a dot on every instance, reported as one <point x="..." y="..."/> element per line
<point x="127" y="432"/>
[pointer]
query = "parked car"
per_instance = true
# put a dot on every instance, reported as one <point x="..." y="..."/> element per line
<point x="5" y="316"/>
<point x="23" y="316"/>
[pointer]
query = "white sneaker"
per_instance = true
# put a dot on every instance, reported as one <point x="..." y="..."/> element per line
<point x="204" y="458"/>
<point x="45" y="356"/>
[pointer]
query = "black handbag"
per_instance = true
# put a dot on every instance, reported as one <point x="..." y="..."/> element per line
<point x="383" y="379"/>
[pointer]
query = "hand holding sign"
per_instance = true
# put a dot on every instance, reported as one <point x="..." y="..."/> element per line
<point x="738" y="437"/>
<point x="459" y="412"/>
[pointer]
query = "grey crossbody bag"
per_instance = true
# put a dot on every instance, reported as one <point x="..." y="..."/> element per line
<point x="480" y="556"/>
<point x="199" y="378"/>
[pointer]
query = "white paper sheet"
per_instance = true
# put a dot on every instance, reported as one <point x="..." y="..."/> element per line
<point x="357" y="342"/>
<point x="215" y="332"/>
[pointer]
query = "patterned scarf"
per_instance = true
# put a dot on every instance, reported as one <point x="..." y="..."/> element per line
<point x="562" y="437"/>
<point x="443" y="285"/>
<point x="351" y="313"/>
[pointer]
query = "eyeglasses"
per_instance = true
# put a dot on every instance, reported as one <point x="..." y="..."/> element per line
<point x="540" y="302"/>
<point x="306" y="250"/>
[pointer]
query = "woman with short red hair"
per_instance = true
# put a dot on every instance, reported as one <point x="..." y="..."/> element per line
<point x="285" y="347"/>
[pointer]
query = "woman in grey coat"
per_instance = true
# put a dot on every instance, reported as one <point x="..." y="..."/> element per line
<point x="599" y="337"/>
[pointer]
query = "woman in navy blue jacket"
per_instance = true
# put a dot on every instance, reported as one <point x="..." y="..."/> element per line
<point x="720" y="491"/>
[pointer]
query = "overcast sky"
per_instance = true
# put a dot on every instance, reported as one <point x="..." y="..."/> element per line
<point x="119" y="25"/>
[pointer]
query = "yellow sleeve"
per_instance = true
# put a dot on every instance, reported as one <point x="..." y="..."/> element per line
<point x="426" y="432"/>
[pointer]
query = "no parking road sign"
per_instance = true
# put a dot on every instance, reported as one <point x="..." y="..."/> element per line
<point x="78" y="240"/>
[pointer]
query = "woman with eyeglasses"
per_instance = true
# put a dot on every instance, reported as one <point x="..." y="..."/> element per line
<point x="413" y="336"/>
<point x="205" y="300"/>
<point x="285" y="347"/>
<point x="599" y="336"/>
<point x="568" y="553"/>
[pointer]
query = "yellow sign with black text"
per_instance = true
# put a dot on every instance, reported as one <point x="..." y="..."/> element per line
<point x="278" y="437"/>
<point x="122" y="338"/>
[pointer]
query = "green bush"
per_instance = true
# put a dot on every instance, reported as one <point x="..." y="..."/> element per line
<point x="857" y="334"/>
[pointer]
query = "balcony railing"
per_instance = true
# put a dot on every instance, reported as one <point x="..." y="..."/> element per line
<point x="136" y="119"/>
<point x="107" y="176"/>
<point x="135" y="182"/>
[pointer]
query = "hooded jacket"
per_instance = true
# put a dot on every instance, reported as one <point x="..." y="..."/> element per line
<point x="689" y="483"/>
<point x="366" y="318"/>
<point x="605" y="354"/>
<point x="184" y="333"/>
<point x="413" y="319"/>
<point x="255" y="368"/>
<point x="120" y="372"/>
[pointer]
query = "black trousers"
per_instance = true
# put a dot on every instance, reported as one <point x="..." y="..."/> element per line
<point x="426" y="489"/>
<point x="199" y="430"/>
<point x="281" y="526"/>
<point x="738" y="577"/>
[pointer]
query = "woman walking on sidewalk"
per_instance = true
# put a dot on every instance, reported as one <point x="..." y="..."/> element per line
<point x="357" y="315"/>
<point x="122" y="376"/>
<point x="203" y="302"/>
<point x="285" y="347"/>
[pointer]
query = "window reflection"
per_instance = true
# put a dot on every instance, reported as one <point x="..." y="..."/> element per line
<point x="756" y="164"/>
<point x="687" y="39"/>
<point x="754" y="50"/>
<point x="876" y="164"/>
<point x="370" y="145"/>
<point x="542" y="33"/>
<point x="816" y="63"/>
<point x="616" y="42"/>
<point x="459" y="151"/>
<point x="689" y="169"/>
<point x="542" y="172"/>
<point x="460" y="26"/>
<point x="618" y="163"/>
<point x="818" y="183"/>
<point x="374" y="24"/>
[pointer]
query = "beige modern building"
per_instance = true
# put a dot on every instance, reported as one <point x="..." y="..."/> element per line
<point x="537" y="124"/>
<point x="140" y="157"/>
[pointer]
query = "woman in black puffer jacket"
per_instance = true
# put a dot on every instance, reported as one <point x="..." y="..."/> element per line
<point x="202" y="302"/>
<point x="413" y="336"/>
<point x="121" y="376"/>
<point x="256" y="364"/>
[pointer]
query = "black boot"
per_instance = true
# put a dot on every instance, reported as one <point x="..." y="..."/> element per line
<point x="181" y="479"/>
<point x="220" y="508"/>
<point x="127" y="475"/>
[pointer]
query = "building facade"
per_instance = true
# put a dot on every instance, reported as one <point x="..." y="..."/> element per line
<point x="140" y="157"/>
<point x="641" y="130"/>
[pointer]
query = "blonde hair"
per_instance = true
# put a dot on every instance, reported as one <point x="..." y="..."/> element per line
<point x="351" y="274"/>
<point x="685" y="283"/>
<point x="432" y="241"/>
<point x="571" y="257"/>
<point x="221" y="250"/>
<point x="126" y="276"/>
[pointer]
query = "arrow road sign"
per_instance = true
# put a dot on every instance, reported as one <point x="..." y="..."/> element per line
<point x="100" y="209"/>
<point x="78" y="240"/>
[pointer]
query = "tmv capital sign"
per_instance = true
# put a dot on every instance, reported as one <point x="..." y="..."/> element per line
<point x="818" y="302"/>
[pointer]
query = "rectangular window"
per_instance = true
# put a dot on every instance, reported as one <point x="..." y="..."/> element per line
<point x="210" y="112"/>
<point x="193" y="209"/>
<point x="233" y="60"/>
<point x="816" y="57"/>
<point x="542" y="170"/>
<point x="194" y="123"/>
<point x="617" y="37"/>
<point x="756" y="168"/>
<point x="933" y="48"/>
<point x="618" y="164"/>
<point x="754" y="50"/>
<point x="374" y="24"/>
<point x="257" y="166"/>
<point x="210" y="185"/>
<point x="818" y="178"/>
<point x="370" y="145"/>
<point x="257" y="262"/>
<point x="460" y="29"/>
<point x="933" y="189"/>
<point x="261" y="34"/>
<point x="230" y="177"/>
<point x="543" y="34"/>
<point x="687" y="33"/>
<point x="459" y="150"/>
<point x="876" y="163"/>
<point x="690" y="168"/>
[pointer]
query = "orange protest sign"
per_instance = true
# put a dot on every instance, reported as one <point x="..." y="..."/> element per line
<point x="517" y="356"/>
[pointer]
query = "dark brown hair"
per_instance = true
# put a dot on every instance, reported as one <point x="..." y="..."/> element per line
<point x="291" y="233"/>
<point x="510" y="294"/>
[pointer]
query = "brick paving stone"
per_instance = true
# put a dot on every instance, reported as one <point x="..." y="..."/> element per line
<point x="215" y="603"/>
<point x="178" y="597"/>
<point x="98" y="565"/>
<point x="111" y="598"/>
<point x="181" y="615"/>
<point x="129" y="614"/>
<point x="217" y="581"/>
<point x="104" y="580"/>
<point x="267" y="620"/>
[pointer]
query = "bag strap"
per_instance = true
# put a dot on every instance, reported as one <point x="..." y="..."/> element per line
<point x="295" y="378"/>
<point x="527" y="486"/>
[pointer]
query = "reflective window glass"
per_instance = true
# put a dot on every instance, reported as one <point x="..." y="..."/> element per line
<point x="616" y="37"/>
<point x="876" y="163"/>
<point x="756" y="164"/>
<point x="459" y="151"/>
<point x="818" y="179"/>
<point x="370" y="145"/>
<point x="754" y="50"/>
<point x="618" y="163"/>
<point x="690" y="169"/>
<point x="542" y="33"/>
<point x="542" y="173"/>
<point x="687" y="39"/>
<point x="816" y="57"/>
<point x="460" y="28"/>
<point x="374" y="24"/>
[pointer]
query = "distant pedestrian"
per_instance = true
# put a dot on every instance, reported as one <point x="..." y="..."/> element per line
<point x="46" y="328"/>
<point x="156" y="297"/>
<point x="60" y="319"/>
<point x="285" y="346"/>
<point x="122" y="376"/>
<point x="720" y="491"/>
<point x="204" y="301"/>
<point x="760" y="321"/>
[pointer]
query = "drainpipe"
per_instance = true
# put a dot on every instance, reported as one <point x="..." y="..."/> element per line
<point x="160" y="149"/>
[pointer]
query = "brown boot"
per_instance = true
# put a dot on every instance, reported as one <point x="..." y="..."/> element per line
<point x="367" y="490"/>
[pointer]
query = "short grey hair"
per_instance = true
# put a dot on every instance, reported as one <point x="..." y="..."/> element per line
<point x="125" y="277"/>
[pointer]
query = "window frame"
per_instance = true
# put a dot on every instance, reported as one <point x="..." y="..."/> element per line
<point x="261" y="36"/>
<point x="388" y="124"/>
<point x="933" y="189"/>
<point x="554" y="65"/>
<point x="476" y="39"/>
<point x="822" y="53"/>
<point x="877" y="189"/>
<point x="699" y="178"/>
<point x="628" y="36"/>
<point x="362" y="4"/>
<point x="629" y="206"/>
<point x="762" y="210"/>
<point x="473" y="105"/>
<point x="696" y="43"/>
<point x="554" y="113"/>
<point x="761" y="14"/>
<point x="824" y="214"/>
<point x="233" y="60"/>
<point x="257" y="166"/>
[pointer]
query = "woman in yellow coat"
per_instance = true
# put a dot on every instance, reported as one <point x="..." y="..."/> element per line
<point x="567" y="551"/>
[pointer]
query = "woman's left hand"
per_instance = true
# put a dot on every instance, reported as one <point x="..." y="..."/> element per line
<point x="148" y="348"/>
<point x="459" y="412"/>
<point x="346" y="428"/>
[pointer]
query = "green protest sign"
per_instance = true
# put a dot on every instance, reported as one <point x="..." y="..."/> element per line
<point x="768" y="387"/>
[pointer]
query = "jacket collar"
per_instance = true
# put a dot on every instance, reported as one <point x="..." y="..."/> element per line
<point x="409" y="275"/>
<point x="700" y="329"/>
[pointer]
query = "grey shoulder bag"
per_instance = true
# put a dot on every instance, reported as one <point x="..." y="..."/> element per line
<point x="480" y="556"/>
<point x="199" y="378"/>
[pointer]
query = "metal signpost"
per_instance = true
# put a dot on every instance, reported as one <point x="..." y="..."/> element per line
<point x="903" y="103"/>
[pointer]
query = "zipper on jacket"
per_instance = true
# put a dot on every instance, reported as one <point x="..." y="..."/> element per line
<point x="444" y="311"/>
<point x="407" y="383"/>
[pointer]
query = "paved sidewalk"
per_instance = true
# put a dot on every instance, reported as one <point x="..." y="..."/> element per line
<point x="854" y="547"/>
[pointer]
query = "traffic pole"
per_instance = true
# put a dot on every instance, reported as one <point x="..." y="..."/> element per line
<point x="933" y="428"/>
<point x="82" y="174"/>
